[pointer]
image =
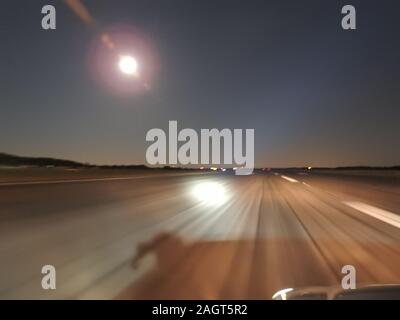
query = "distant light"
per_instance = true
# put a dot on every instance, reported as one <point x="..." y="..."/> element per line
<point x="210" y="193"/>
<point x="282" y="293"/>
<point x="309" y="168"/>
<point x="223" y="169"/>
<point x="128" y="65"/>
<point x="214" y="169"/>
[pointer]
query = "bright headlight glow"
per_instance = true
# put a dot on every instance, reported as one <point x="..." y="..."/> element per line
<point x="210" y="193"/>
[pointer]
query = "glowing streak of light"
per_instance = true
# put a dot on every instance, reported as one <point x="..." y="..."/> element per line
<point x="83" y="14"/>
<point x="81" y="11"/>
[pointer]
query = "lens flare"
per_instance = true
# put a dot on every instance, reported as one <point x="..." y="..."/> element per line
<point x="81" y="11"/>
<point x="123" y="60"/>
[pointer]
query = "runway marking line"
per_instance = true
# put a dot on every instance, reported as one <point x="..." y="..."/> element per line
<point x="24" y="183"/>
<point x="380" y="214"/>
<point x="289" y="179"/>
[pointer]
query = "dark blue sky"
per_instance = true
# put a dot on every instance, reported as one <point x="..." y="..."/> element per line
<point x="314" y="93"/>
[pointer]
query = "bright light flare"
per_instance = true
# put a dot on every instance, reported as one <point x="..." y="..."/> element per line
<point x="123" y="60"/>
<point x="210" y="193"/>
<point x="81" y="11"/>
<point x="128" y="65"/>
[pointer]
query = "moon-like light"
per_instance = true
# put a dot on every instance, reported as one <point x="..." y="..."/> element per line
<point x="128" y="65"/>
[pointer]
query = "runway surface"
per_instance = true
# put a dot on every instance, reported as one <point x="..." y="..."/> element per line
<point x="166" y="237"/>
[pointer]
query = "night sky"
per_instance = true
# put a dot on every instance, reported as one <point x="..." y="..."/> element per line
<point x="315" y="94"/>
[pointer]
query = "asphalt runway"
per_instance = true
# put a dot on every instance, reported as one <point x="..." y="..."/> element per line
<point x="199" y="236"/>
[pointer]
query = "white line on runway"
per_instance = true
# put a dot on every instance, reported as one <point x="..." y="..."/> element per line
<point x="306" y="184"/>
<point x="383" y="215"/>
<point x="24" y="183"/>
<point x="289" y="179"/>
<point x="27" y="183"/>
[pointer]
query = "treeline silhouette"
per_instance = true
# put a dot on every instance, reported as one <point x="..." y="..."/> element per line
<point x="17" y="161"/>
<point x="12" y="160"/>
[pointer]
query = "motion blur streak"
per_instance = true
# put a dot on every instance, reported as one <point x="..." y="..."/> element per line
<point x="81" y="11"/>
<point x="150" y="238"/>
